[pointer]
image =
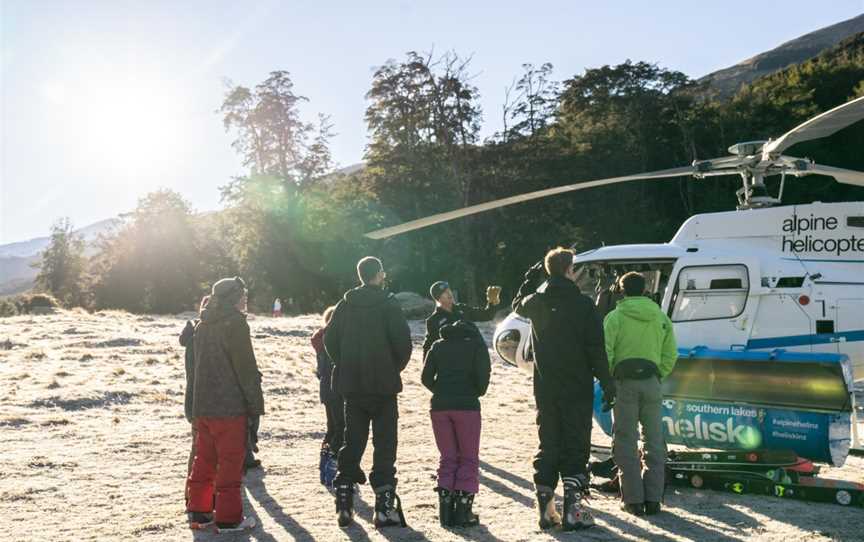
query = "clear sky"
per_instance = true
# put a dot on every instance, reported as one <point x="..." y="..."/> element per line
<point x="102" y="102"/>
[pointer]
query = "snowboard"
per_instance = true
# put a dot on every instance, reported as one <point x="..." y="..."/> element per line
<point x="758" y="460"/>
<point x="777" y="482"/>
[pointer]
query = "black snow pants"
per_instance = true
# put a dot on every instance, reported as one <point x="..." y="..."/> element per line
<point x="382" y="412"/>
<point x="564" y="427"/>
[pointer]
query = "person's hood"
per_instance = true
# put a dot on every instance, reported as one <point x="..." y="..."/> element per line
<point x="638" y="308"/>
<point x="365" y="296"/>
<point x="216" y="311"/>
<point x="460" y="329"/>
<point x="557" y="283"/>
<point x="318" y="339"/>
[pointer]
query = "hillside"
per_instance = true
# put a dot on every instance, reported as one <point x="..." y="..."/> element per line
<point x="17" y="259"/>
<point x="728" y="80"/>
<point x="96" y="448"/>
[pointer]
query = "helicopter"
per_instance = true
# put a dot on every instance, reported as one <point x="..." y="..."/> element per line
<point x="767" y="301"/>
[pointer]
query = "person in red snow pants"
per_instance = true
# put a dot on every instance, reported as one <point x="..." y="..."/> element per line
<point x="218" y="467"/>
<point x="226" y="393"/>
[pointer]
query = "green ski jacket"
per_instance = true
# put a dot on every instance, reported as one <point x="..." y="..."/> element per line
<point x="638" y="329"/>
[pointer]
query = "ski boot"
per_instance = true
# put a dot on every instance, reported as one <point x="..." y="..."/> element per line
<point x="575" y="515"/>
<point x="327" y="467"/>
<point x="323" y="457"/>
<point x="652" y="508"/>
<point x="199" y="520"/>
<point x="446" y="502"/>
<point x="549" y="516"/>
<point x="247" y="524"/>
<point x="345" y="504"/>
<point x="635" y="508"/>
<point x="388" y="508"/>
<point x="463" y="515"/>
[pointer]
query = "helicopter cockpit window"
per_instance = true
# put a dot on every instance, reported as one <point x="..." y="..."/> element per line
<point x="601" y="279"/>
<point x="710" y="292"/>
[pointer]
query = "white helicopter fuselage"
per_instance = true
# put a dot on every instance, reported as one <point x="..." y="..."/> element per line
<point x="781" y="278"/>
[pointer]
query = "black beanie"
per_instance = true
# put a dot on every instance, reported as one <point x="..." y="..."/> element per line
<point x="437" y="289"/>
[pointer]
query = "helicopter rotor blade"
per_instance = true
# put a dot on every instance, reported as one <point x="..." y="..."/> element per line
<point x="818" y="127"/>
<point x="519" y="198"/>
<point x="846" y="176"/>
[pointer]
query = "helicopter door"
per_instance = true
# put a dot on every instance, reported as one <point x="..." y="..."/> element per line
<point x="710" y="304"/>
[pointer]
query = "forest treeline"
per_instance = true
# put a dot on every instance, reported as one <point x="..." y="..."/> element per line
<point x="293" y="227"/>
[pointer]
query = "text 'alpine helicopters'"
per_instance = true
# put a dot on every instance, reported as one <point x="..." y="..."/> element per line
<point x="767" y="302"/>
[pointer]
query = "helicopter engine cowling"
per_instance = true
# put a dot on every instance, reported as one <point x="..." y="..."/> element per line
<point x="756" y="400"/>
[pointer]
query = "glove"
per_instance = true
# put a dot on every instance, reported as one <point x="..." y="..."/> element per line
<point x="610" y="392"/>
<point x="493" y="295"/>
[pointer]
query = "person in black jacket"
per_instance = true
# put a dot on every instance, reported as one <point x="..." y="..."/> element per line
<point x="456" y="371"/>
<point x="448" y="311"/>
<point x="569" y="352"/>
<point x="369" y="342"/>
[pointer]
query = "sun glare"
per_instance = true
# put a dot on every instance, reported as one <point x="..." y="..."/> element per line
<point x="118" y="123"/>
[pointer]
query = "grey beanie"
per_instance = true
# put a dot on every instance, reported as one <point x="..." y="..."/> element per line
<point x="229" y="290"/>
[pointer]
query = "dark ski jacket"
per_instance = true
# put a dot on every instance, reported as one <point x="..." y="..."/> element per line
<point x="369" y="341"/>
<point x="227" y="381"/>
<point x="186" y="341"/>
<point x="567" y="337"/>
<point x="324" y="368"/>
<point x="440" y="318"/>
<point x="456" y="369"/>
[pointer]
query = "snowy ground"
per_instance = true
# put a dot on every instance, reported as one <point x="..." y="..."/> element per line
<point x="94" y="447"/>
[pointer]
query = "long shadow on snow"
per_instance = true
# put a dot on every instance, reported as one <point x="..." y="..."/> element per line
<point x="507" y="475"/>
<point x="669" y="523"/>
<point x="258" y="533"/>
<point x="501" y="489"/>
<point x="806" y="516"/>
<point x="666" y="521"/>
<point x="254" y="484"/>
<point x="363" y="510"/>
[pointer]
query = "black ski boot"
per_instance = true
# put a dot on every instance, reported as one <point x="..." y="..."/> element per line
<point x="575" y="515"/>
<point x="463" y="515"/>
<point x="388" y="509"/>
<point x="199" y="520"/>
<point x="652" y="508"/>
<point x="345" y="504"/>
<point x="549" y="516"/>
<point x="446" y="502"/>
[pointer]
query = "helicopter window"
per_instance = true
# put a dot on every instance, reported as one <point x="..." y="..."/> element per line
<point x="725" y="284"/>
<point x="790" y="282"/>
<point x="710" y="292"/>
<point x="824" y="326"/>
<point x="601" y="278"/>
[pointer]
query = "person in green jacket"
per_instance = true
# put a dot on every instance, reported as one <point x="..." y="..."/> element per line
<point x="640" y="345"/>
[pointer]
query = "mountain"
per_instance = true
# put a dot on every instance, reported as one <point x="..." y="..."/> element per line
<point x="728" y="80"/>
<point x="33" y="247"/>
<point x="17" y="259"/>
